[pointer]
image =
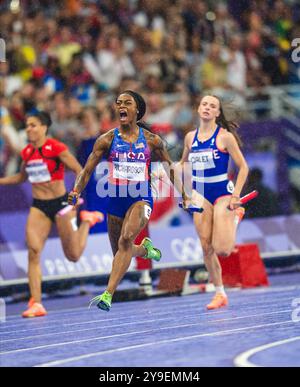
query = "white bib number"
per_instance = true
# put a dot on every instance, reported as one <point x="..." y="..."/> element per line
<point x="38" y="172"/>
<point x="134" y="171"/>
<point x="202" y="160"/>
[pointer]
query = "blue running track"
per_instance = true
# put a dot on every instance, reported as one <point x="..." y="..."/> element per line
<point x="261" y="327"/>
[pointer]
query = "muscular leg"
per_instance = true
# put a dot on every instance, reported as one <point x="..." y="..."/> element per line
<point x="204" y="223"/>
<point x="134" y="222"/>
<point x="73" y="241"/>
<point x="224" y="232"/>
<point x="37" y="230"/>
<point x="114" y="225"/>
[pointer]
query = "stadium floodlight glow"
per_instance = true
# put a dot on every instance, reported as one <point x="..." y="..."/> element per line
<point x="15" y="6"/>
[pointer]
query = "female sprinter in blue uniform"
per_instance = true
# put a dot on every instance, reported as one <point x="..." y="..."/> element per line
<point x="130" y="149"/>
<point x="208" y="149"/>
<point x="43" y="164"/>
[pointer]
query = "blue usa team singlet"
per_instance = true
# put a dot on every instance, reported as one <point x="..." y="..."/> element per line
<point x="129" y="174"/>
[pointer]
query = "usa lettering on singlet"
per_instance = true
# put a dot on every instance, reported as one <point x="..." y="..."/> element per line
<point x="37" y="171"/>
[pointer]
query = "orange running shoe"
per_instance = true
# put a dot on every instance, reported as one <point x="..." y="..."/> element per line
<point x="92" y="217"/>
<point x="34" y="310"/>
<point x="30" y="302"/>
<point x="239" y="214"/>
<point x="218" y="301"/>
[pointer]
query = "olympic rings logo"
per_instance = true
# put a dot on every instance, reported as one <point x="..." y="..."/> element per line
<point x="187" y="250"/>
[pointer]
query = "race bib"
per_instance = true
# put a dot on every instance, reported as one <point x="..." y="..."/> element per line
<point x="202" y="160"/>
<point x="38" y="172"/>
<point x="134" y="171"/>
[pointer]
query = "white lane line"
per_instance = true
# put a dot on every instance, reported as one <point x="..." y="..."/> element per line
<point x="166" y="301"/>
<point x="179" y="301"/>
<point x="166" y="312"/>
<point x="167" y="341"/>
<point x="146" y="321"/>
<point x="52" y="323"/>
<point x="242" y="360"/>
<point x="120" y="317"/>
<point x="96" y="338"/>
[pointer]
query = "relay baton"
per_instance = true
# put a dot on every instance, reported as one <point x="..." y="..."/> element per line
<point x="252" y="195"/>
<point x="245" y="199"/>
<point x="191" y="209"/>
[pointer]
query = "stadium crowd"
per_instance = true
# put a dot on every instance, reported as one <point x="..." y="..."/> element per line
<point x="72" y="57"/>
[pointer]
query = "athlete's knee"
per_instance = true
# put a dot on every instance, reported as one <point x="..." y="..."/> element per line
<point x="72" y="256"/>
<point x="126" y="240"/>
<point x="34" y="252"/>
<point x="223" y="250"/>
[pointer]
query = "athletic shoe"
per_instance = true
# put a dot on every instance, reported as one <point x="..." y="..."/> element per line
<point x="218" y="301"/>
<point x="239" y="214"/>
<point x="35" y="309"/>
<point x="103" y="301"/>
<point x="152" y="252"/>
<point x="30" y="302"/>
<point x="92" y="217"/>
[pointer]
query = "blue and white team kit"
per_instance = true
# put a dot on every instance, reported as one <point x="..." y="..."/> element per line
<point x="209" y="168"/>
<point x="129" y="174"/>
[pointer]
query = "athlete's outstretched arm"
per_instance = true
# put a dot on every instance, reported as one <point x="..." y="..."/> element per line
<point x="15" y="179"/>
<point x="101" y="146"/>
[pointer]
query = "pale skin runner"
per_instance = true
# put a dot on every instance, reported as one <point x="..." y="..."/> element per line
<point x="216" y="226"/>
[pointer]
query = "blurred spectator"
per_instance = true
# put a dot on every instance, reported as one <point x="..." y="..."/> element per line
<point x="65" y="46"/>
<point x="11" y="142"/>
<point x="214" y="69"/>
<point x="68" y="56"/>
<point x="65" y="128"/>
<point x="266" y="203"/>
<point x="89" y="120"/>
<point x="236" y="65"/>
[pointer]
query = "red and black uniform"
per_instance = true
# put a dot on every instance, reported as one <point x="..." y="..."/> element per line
<point x="43" y="165"/>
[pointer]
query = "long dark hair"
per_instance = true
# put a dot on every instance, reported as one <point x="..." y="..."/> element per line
<point x="231" y="126"/>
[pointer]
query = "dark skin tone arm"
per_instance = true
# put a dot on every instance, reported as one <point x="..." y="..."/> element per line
<point x="100" y="148"/>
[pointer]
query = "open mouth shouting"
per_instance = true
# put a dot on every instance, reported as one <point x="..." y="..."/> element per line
<point x="123" y="115"/>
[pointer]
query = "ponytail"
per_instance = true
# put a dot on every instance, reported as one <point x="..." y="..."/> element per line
<point x="231" y="126"/>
